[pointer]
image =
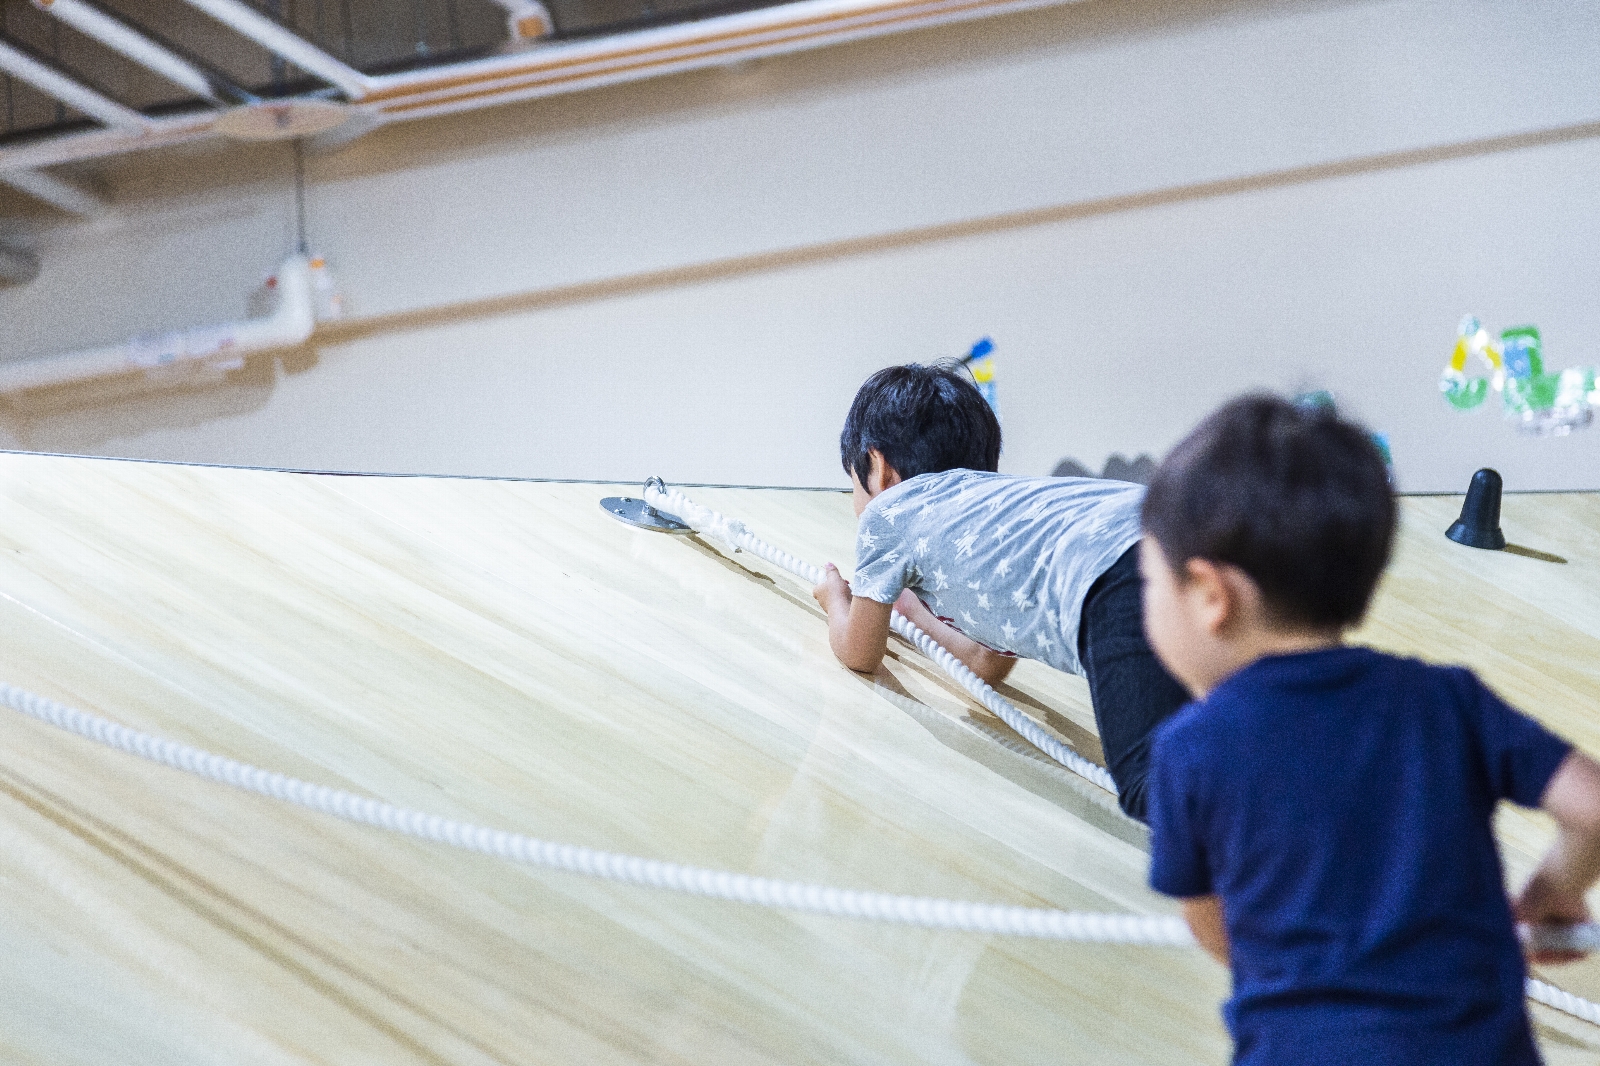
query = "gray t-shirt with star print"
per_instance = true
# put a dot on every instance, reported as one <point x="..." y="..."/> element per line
<point x="1006" y="560"/>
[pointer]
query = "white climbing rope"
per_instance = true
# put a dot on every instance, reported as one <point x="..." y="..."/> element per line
<point x="1079" y="926"/>
<point x="704" y="520"/>
<point x="1585" y="938"/>
<point x="1565" y="1002"/>
<point x="628" y="869"/>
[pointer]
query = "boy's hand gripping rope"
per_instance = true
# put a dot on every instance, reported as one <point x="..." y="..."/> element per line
<point x="705" y="520"/>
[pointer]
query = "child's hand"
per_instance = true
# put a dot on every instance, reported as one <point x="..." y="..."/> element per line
<point x="1554" y="895"/>
<point x="834" y="592"/>
<point x="1543" y="903"/>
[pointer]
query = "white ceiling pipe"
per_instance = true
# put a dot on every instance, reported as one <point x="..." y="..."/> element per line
<point x="286" y="44"/>
<point x="100" y="143"/>
<point x="290" y="324"/>
<point x="120" y="37"/>
<point x="76" y="95"/>
<point x="57" y="192"/>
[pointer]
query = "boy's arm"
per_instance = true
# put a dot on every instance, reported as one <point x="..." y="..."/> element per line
<point x="991" y="666"/>
<point x="858" y="628"/>
<point x="1204" y="915"/>
<point x="1554" y="895"/>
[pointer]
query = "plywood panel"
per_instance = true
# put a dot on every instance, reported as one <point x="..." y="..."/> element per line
<point x="509" y="654"/>
<point x="506" y="653"/>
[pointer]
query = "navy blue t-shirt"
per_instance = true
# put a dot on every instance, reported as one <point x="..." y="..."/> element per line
<point x="1339" y="803"/>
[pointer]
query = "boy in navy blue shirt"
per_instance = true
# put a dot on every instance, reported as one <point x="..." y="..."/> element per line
<point x="1325" y="811"/>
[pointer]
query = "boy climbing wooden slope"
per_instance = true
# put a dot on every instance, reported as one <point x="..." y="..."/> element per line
<point x="994" y="566"/>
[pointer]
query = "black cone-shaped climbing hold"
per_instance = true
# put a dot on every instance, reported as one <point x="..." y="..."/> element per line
<point x="1479" y="524"/>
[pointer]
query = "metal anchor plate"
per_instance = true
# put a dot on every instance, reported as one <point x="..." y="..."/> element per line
<point x="637" y="513"/>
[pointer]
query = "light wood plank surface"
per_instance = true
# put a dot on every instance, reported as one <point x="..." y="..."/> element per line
<point x="506" y="653"/>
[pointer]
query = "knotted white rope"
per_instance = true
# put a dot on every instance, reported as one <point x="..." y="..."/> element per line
<point x="628" y="869"/>
<point x="704" y="520"/>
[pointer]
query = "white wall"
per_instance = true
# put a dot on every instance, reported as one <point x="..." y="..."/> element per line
<point x="1149" y="206"/>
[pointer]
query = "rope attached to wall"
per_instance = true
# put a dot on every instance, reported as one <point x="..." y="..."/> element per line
<point x="705" y="520"/>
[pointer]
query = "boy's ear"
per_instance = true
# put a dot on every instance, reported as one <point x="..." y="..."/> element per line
<point x="881" y="475"/>
<point x="1213" y="593"/>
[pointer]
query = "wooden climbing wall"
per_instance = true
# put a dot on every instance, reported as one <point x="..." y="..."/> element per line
<point x="505" y="653"/>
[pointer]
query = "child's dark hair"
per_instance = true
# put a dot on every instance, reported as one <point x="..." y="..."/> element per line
<point x="1295" y="497"/>
<point x="923" y="419"/>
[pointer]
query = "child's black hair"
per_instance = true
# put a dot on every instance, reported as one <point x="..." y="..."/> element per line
<point x="923" y="419"/>
<point x="1296" y="497"/>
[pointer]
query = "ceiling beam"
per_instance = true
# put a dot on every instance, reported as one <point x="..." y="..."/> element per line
<point x="286" y="44"/>
<point x="76" y="95"/>
<point x="120" y="37"/>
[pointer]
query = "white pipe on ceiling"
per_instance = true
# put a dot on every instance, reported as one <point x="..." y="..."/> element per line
<point x="286" y="44"/>
<point x="76" y="95"/>
<point x="100" y="143"/>
<point x="219" y="347"/>
<point x="120" y="37"/>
